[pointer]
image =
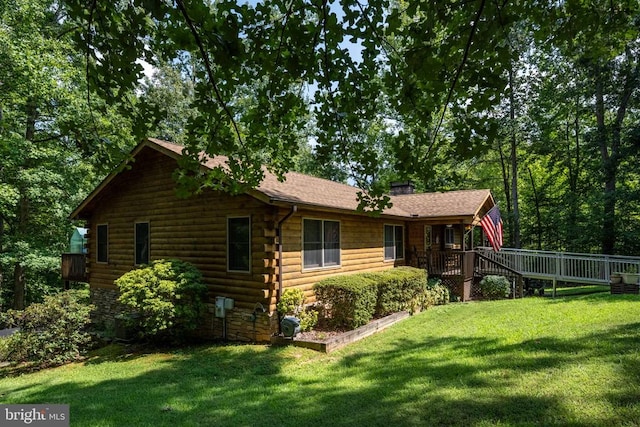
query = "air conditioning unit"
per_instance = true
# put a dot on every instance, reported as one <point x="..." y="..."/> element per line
<point x="290" y="326"/>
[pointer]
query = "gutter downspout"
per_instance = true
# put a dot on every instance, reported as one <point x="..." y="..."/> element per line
<point x="294" y="209"/>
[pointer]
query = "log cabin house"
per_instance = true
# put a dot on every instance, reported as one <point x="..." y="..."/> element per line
<point x="252" y="246"/>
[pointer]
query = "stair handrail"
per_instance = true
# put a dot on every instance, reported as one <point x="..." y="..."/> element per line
<point x="499" y="264"/>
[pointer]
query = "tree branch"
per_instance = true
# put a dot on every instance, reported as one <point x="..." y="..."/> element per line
<point x="457" y="75"/>
<point x="207" y="64"/>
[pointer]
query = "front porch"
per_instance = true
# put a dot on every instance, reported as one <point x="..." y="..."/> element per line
<point x="461" y="271"/>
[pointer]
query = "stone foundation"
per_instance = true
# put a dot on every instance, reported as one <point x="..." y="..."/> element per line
<point x="107" y="307"/>
<point x="239" y="324"/>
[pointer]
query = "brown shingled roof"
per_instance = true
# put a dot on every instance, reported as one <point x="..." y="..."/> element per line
<point x="298" y="188"/>
<point x="450" y="203"/>
<point x="310" y="191"/>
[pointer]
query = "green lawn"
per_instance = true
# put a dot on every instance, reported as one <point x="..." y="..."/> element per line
<point x="534" y="361"/>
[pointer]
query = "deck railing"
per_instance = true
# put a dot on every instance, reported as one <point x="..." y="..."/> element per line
<point x="467" y="266"/>
<point x="74" y="267"/>
<point x="563" y="266"/>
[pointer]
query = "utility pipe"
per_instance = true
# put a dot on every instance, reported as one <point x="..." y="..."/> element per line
<point x="294" y="209"/>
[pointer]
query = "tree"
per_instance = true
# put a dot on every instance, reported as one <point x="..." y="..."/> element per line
<point x="431" y="76"/>
<point x="601" y="40"/>
<point x="448" y="59"/>
<point x="47" y="133"/>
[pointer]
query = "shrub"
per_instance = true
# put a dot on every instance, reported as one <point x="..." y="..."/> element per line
<point x="348" y="301"/>
<point x="292" y="304"/>
<point x="494" y="287"/>
<point x="50" y="333"/>
<point x="399" y="289"/>
<point x="165" y="298"/>
<point x="435" y="294"/>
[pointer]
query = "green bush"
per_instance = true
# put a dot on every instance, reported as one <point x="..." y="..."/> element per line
<point x="50" y="333"/>
<point x="494" y="287"/>
<point x="399" y="289"/>
<point x="292" y="304"/>
<point x="435" y="294"/>
<point x="347" y="301"/>
<point x="351" y="301"/>
<point x="165" y="298"/>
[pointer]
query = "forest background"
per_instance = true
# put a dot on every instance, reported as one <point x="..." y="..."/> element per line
<point x="536" y="100"/>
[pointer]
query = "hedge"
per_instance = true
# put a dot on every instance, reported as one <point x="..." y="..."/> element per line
<point x="351" y="301"/>
<point x="348" y="301"/>
<point x="399" y="289"/>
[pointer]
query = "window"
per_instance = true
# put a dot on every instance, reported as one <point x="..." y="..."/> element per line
<point x="449" y="236"/>
<point x="142" y="243"/>
<point x="393" y="242"/>
<point x="239" y="244"/>
<point x="321" y="243"/>
<point x="102" y="243"/>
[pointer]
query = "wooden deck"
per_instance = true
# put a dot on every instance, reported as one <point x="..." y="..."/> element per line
<point x="74" y="267"/>
<point x="462" y="271"/>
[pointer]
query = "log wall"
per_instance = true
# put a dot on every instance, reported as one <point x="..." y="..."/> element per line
<point x="192" y="229"/>
<point x="361" y="248"/>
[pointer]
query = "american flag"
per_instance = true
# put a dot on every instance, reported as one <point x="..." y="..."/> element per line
<point x="492" y="225"/>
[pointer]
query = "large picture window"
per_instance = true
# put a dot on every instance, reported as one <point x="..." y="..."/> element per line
<point x="321" y="243"/>
<point x="239" y="244"/>
<point x="142" y="243"/>
<point x="393" y="242"/>
<point x="102" y="243"/>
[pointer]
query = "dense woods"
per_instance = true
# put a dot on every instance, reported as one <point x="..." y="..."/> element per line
<point x="538" y="101"/>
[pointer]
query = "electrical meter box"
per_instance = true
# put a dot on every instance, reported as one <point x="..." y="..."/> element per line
<point x="222" y="305"/>
<point x="220" y="310"/>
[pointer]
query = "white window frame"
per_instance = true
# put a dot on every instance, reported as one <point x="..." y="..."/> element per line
<point x="322" y="265"/>
<point x="106" y="244"/>
<point x="449" y="243"/>
<point x="395" y="245"/>
<point x="249" y="254"/>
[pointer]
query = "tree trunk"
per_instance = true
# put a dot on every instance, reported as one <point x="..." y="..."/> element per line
<point x="573" y="167"/>
<point x="1" y="251"/>
<point x="18" y="286"/>
<point x="610" y="147"/>
<point x="515" y="238"/>
<point x="538" y="216"/>
<point x="507" y="190"/>
<point x="22" y="225"/>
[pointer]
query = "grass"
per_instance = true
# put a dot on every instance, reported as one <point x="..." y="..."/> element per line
<point x="565" y="291"/>
<point x="534" y="361"/>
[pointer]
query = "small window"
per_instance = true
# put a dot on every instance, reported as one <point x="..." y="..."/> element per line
<point x="102" y="243"/>
<point x="393" y="242"/>
<point x="142" y="243"/>
<point x="321" y="243"/>
<point x="449" y="236"/>
<point x="239" y="244"/>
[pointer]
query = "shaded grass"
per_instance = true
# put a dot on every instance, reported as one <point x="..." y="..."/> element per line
<point x="565" y="291"/>
<point x="535" y="361"/>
